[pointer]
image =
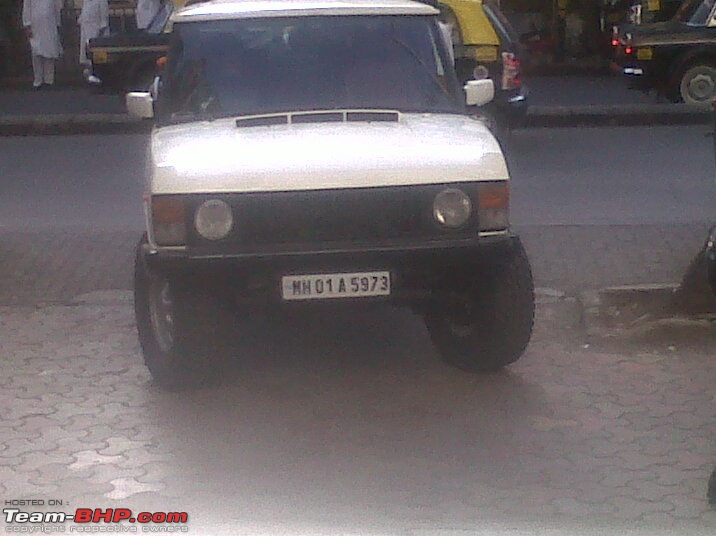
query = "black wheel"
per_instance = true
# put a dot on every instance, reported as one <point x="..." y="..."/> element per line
<point x="697" y="84"/>
<point x="488" y="324"/>
<point x="181" y="330"/>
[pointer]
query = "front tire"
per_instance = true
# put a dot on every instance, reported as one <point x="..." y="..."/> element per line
<point x="181" y="329"/>
<point x="697" y="84"/>
<point x="488" y="324"/>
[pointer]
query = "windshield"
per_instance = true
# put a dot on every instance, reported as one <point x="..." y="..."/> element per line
<point x="256" y="66"/>
<point x="695" y="12"/>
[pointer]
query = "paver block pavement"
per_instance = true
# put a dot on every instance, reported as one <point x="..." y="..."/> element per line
<point x="556" y="432"/>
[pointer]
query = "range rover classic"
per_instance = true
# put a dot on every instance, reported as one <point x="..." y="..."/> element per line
<point x="313" y="153"/>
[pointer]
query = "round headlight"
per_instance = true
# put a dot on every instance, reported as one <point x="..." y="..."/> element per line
<point x="213" y="219"/>
<point x="452" y="208"/>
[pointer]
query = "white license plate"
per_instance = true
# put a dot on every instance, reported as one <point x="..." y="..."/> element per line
<point x="331" y="286"/>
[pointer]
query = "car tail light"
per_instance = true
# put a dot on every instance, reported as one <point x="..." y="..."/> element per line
<point x="168" y="221"/>
<point x="493" y="206"/>
<point x="615" y="36"/>
<point x="510" y="71"/>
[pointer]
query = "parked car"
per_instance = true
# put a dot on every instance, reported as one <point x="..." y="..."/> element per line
<point x="343" y="168"/>
<point x="126" y="61"/>
<point x="677" y="57"/>
<point x="487" y="46"/>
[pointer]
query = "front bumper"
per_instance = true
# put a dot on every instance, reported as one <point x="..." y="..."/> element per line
<point x="418" y="272"/>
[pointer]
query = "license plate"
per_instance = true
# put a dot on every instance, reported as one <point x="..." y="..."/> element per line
<point x="99" y="56"/>
<point x="333" y="286"/>
<point x="644" y="54"/>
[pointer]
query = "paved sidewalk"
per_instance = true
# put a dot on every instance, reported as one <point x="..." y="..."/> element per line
<point x="555" y="101"/>
<point x="334" y="427"/>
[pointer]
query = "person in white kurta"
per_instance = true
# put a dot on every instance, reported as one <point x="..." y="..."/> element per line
<point x="93" y="18"/>
<point x="145" y="12"/>
<point x="41" y="19"/>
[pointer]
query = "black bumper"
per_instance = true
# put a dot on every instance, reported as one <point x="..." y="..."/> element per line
<point x="418" y="272"/>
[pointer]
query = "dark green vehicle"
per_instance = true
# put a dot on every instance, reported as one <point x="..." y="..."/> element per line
<point x="677" y="57"/>
<point x="127" y="61"/>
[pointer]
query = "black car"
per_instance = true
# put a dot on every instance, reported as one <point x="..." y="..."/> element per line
<point x="127" y="61"/>
<point x="677" y="57"/>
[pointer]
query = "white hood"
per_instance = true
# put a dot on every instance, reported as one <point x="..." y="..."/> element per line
<point x="218" y="156"/>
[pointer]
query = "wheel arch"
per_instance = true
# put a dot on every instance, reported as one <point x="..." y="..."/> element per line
<point x="687" y="60"/>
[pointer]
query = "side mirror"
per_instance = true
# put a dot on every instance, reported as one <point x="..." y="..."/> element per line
<point x="140" y="105"/>
<point x="479" y="92"/>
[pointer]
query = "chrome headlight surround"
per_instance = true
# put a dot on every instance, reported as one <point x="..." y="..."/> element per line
<point x="452" y="208"/>
<point x="213" y="219"/>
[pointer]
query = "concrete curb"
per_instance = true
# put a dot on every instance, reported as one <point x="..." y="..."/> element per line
<point x="618" y="115"/>
<point x="537" y="117"/>
<point x="64" y="124"/>
<point x="624" y="311"/>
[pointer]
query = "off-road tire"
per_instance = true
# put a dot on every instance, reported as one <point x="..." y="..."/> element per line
<point x="195" y="353"/>
<point x="488" y="324"/>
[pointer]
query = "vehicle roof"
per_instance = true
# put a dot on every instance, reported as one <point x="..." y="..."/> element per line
<point x="239" y="9"/>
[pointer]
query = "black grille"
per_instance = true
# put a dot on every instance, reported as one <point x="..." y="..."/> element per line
<point x="361" y="215"/>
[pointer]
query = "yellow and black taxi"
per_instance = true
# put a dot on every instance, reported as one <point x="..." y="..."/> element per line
<point x="127" y="60"/>
<point x="676" y="57"/>
<point x="487" y="46"/>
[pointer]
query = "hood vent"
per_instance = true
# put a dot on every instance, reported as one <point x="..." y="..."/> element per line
<point x="343" y="116"/>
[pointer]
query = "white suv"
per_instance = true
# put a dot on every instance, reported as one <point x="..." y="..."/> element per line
<point x="320" y="152"/>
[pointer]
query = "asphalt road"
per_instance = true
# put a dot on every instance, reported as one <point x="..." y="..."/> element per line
<point x="613" y="176"/>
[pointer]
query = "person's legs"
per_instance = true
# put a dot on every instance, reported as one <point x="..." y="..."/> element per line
<point x="37" y="71"/>
<point x="48" y="71"/>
